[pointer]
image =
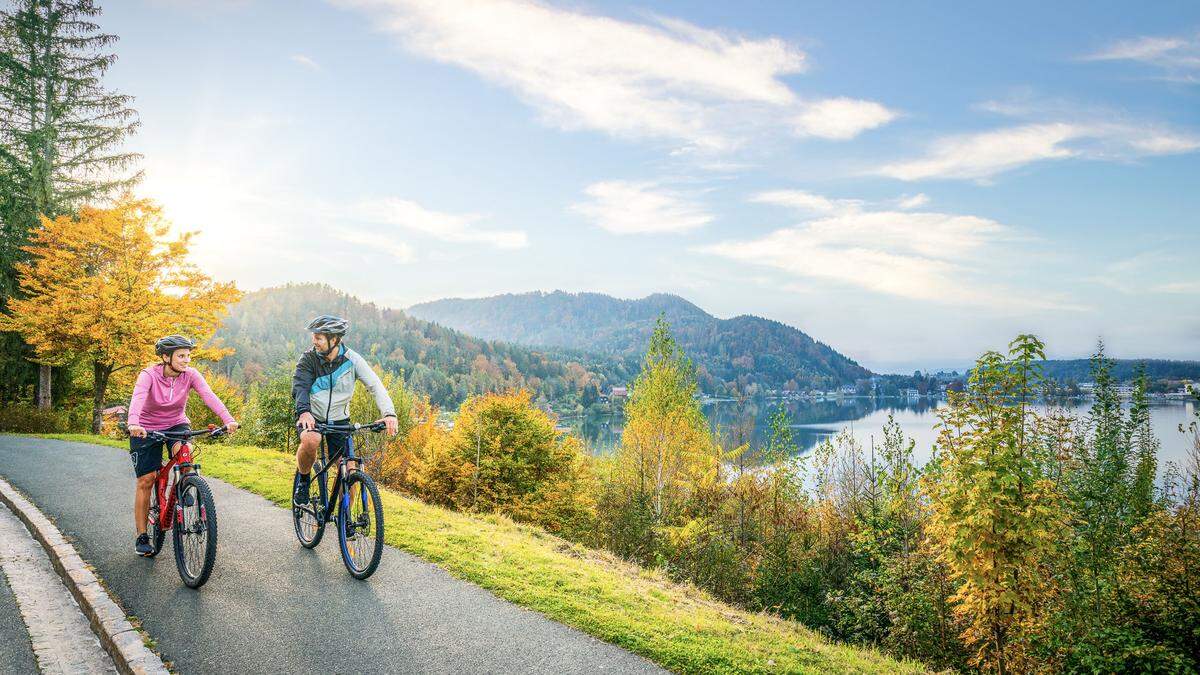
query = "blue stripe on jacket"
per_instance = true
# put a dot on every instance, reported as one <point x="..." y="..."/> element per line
<point x="326" y="381"/>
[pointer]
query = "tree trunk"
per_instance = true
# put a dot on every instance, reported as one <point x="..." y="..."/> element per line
<point x="43" y="390"/>
<point x="101" y="372"/>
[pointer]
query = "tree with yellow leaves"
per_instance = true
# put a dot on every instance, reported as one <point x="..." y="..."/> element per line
<point x="995" y="514"/>
<point x="667" y="454"/>
<point x="102" y="286"/>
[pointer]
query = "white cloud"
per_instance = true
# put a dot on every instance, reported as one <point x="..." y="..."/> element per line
<point x="624" y="207"/>
<point x="444" y="226"/>
<point x="306" y="61"/>
<point x="841" y="118"/>
<point x="1178" y="57"/>
<point x="401" y="251"/>
<point x="983" y="155"/>
<point x="1150" y="271"/>
<point x="805" y="202"/>
<point x="920" y="256"/>
<point x="1186" y="287"/>
<point x="665" y="79"/>
<point x="1164" y="143"/>
<point x="914" y="202"/>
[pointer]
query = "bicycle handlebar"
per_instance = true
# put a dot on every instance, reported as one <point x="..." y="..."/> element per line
<point x="324" y="428"/>
<point x="213" y="432"/>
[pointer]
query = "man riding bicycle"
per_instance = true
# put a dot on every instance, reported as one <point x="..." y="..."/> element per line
<point x="322" y="387"/>
<point x="159" y="399"/>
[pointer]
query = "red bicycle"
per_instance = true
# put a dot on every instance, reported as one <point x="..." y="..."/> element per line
<point x="182" y="503"/>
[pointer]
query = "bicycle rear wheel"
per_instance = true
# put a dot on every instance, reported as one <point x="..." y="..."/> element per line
<point x="360" y="525"/>
<point x="309" y="527"/>
<point x="195" y="532"/>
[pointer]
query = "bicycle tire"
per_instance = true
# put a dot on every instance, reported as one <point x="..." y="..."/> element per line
<point x="195" y="572"/>
<point x="369" y="519"/>
<point x="309" y="534"/>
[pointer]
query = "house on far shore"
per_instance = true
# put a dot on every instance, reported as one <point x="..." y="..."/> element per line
<point x="618" y="392"/>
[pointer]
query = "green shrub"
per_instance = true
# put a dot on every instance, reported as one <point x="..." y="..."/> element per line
<point x="23" y="418"/>
<point x="267" y="418"/>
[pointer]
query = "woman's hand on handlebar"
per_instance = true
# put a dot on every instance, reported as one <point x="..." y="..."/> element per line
<point x="232" y="427"/>
<point x="136" y="432"/>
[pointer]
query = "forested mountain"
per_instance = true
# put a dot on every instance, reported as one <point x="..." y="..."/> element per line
<point x="1124" y="370"/>
<point x="748" y="353"/>
<point x="267" y="329"/>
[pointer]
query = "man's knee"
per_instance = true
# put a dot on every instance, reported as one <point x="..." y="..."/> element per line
<point x="145" y="482"/>
<point x="310" y="441"/>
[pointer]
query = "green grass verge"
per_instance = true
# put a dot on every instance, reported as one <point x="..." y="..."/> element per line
<point x="675" y="625"/>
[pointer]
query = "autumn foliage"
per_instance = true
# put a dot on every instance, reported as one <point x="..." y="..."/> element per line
<point x="502" y="456"/>
<point x="102" y="286"/>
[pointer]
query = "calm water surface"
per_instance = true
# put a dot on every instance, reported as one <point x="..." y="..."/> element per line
<point x="814" y="421"/>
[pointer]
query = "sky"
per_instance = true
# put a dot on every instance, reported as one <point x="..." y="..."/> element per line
<point x="911" y="183"/>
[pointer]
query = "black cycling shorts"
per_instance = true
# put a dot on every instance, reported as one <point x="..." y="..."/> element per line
<point x="147" y="454"/>
<point x="335" y="442"/>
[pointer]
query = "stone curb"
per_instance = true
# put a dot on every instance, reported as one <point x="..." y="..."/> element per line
<point x="118" y="637"/>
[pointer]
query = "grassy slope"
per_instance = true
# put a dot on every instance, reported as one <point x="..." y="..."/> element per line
<point x="674" y="625"/>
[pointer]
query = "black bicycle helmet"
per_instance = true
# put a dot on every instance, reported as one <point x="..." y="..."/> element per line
<point x="329" y="325"/>
<point x="170" y="343"/>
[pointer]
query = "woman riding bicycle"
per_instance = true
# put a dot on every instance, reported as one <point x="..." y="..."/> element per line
<point x="158" y="403"/>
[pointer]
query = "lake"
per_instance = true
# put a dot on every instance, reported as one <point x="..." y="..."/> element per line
<point x="814" y="421"/>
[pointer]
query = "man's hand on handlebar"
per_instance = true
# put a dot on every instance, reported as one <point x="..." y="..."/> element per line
<point x="306" y="421"/>
<point x="390" y="424"/>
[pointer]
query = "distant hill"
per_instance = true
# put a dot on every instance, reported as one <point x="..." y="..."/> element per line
<point x="1079" y="370"/>
<point x="267" y="328"/>
<point x="746" y="353"/>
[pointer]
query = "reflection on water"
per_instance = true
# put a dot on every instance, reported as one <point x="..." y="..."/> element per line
<point x="814" y="421"/>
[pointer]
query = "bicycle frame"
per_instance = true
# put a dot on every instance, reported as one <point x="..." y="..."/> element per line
<point x="179" y="464"/>
<point x="336" y="496"/>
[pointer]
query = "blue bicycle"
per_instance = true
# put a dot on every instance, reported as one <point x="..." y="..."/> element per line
<point x="359" y="517"/>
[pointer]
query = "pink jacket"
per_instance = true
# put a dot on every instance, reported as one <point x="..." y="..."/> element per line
<point x="158" y="401"/>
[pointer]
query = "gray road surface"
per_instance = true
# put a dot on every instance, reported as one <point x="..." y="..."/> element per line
<point x="272" y="606"/>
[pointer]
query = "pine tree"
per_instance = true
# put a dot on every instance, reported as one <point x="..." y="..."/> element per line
<point x="1098" y="485"/>
<point x="1143" y="447"/>
<point x="60" y="130"/>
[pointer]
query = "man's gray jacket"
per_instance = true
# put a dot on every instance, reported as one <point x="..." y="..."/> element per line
<point x="324" y="388"/>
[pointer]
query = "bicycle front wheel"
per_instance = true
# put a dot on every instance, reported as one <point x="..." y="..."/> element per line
<point x="360" y="525"/>
<point x="195" y="532"/>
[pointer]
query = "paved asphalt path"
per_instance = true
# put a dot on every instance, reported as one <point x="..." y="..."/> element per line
<point x="272" y="606"/>
<point x="16" y="652"/>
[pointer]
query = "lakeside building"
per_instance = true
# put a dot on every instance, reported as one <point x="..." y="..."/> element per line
<point x="1186" y="391"/>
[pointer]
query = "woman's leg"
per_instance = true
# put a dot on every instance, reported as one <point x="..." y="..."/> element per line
<point x="141" y="501"/>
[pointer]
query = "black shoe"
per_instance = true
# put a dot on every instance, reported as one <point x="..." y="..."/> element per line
<point x="142" y="546"/>
<point x="301" y="495"/>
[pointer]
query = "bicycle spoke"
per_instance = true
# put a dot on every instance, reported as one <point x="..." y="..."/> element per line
<point x="360" y="539"/>
<point x="194" y="533"/>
